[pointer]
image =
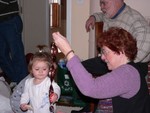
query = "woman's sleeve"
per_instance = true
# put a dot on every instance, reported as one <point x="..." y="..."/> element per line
<point x="114" y="83"/>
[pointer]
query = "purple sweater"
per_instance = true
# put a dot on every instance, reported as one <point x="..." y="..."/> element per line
<point x="124" y="81"/>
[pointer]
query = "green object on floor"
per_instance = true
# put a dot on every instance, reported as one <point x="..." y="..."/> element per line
<point x="65" y="81"/>
<point x="68" y="88"/>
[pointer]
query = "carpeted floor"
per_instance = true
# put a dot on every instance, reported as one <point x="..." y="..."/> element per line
<point x="66" y="109"/>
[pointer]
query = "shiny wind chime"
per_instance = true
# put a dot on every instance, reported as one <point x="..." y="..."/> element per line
<point x="53" y="51"/>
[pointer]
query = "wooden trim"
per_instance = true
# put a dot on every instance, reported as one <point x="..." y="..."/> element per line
<point x="98" y="31"/>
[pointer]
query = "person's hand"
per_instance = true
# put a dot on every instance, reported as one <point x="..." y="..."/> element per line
<point x="53" y="97"/>
<point x="90" y="23"/>
<point x="25" y="107"/>
<point x="63" y="44"/>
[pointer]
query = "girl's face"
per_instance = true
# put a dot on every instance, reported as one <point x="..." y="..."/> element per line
<point x="112" y="59"/>
<point x="40" y="70"/>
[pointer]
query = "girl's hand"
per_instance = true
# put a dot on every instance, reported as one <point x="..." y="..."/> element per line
<point x="25" y="107"/>
<point x="53" y="97"/>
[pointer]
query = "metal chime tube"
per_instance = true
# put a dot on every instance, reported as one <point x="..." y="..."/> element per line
<point x="55" y="14"/>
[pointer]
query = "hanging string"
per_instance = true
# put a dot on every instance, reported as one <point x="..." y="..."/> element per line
<point x="53" y="51"/>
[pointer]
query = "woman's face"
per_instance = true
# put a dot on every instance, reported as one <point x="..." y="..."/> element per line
<point x="112" y="59"/>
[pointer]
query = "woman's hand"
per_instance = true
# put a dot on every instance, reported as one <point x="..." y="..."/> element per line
<point x="63" y="44"/>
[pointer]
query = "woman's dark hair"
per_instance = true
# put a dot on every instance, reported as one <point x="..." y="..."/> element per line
<point x="119" y="40"/>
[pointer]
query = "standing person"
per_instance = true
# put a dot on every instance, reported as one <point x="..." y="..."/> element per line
<point x="35" y="98"/>
<point x="125" y="84"/>
<point x="118" y="13"/>
<point x="12" y="58"/>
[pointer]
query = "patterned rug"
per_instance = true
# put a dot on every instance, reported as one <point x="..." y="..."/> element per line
<point x="66" y="109"/>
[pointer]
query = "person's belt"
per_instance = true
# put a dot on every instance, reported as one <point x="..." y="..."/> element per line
<point x="7" y="17"/>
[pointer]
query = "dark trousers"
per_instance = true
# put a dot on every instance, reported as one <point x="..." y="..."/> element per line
<point x="12" y="58"/>
<point x="95" y="66"/>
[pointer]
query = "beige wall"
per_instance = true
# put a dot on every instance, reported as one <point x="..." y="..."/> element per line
<point x="79" y="37"/>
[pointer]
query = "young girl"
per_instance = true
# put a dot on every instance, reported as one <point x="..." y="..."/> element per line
<point x="35" y="98"/>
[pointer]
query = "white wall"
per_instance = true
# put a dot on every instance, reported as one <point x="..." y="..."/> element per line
<point x="36" y="24"/>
